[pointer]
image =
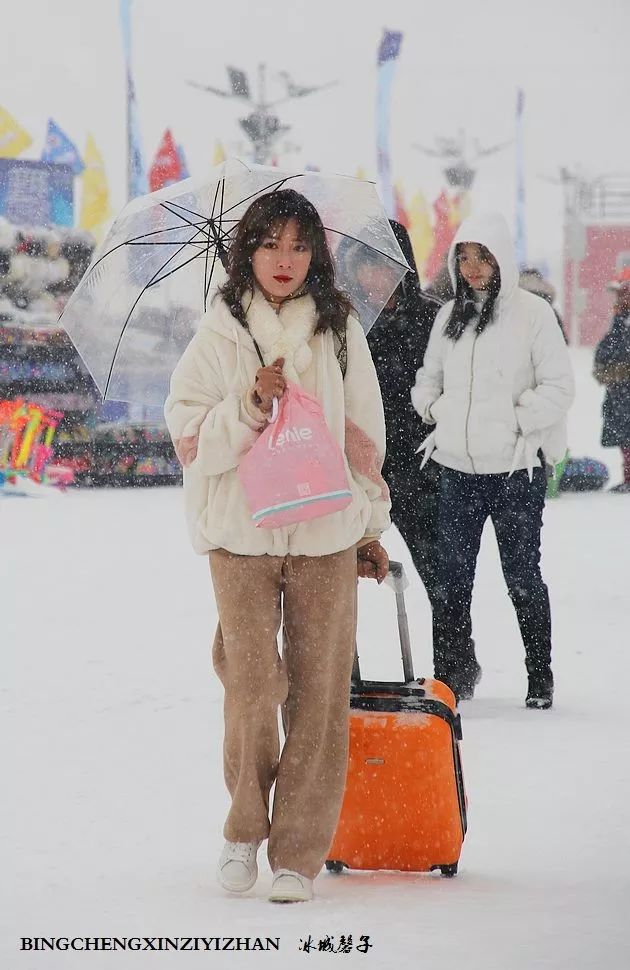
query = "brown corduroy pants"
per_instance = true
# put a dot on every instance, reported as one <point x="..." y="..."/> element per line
<point x="314" y="598"/>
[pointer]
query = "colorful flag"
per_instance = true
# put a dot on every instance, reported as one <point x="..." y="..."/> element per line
<point x="387" y="55"/>
<point x="136" y="174"/>
<point x="13" y="138"/>
<point x="167" y="166"/>
<point x="400" y="207"/>
<point x="445" y="226"/>
<point x="520" y="236"/>
<point x="219" y="154"/>
<point x="420" y="230"/>
<point x="58" y="148"/>
<point x="183" y="164"/>
<point x="95" y="197"/>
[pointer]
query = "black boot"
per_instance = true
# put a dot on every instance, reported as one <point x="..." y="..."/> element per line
<point x="462" y="676"/>
<point x="540" y="688"/>
<point x="468" y="680"/>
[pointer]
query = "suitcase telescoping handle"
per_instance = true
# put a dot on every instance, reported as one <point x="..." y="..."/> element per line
<point x="397" y="579"/>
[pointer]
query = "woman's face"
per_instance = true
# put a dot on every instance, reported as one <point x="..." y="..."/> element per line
<point x="375" y="281"/>
<point x="476" y="264"/>
<point x="282" y="261"/>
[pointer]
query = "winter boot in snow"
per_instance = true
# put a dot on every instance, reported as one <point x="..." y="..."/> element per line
<point x="468" y="681"/>
<point x="290" y="887"/>
<point x="540" y="689"/>
<point x="457" y="667"/>
<point x="237" y="870"/>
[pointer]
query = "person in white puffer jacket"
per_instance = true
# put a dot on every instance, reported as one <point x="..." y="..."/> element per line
<point x="497" y="384"/>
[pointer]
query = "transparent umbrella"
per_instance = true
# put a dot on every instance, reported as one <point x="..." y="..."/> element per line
<point x="151" y="280"/>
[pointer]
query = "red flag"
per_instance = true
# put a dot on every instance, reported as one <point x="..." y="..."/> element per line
<point x="401" y="214"/>
<point x="444" y="229"/>
<point x="167" y="165"/>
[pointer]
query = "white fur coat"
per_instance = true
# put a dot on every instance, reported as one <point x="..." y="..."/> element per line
<point x="210" y="396"/>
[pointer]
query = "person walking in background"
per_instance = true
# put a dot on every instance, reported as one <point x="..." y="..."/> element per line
<point x="532" y="280"/>
<point x="497" y="384"/>
<point x="612" y="369"/>
<point x="398" y="341"/>
<point x="280" y="303"/>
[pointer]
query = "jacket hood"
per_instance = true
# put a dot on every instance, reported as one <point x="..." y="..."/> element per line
<point x="403" y="240"/>
<point x="491" y="230"/>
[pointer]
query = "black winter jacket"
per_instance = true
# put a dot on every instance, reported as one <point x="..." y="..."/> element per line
<point x="398" y="341"/>
<point x="612" y="368"/>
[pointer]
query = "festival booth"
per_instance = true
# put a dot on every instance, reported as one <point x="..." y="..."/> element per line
<point x="42" y="378"/>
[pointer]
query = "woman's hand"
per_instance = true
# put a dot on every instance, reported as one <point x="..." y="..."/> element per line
<point x="270" y="383"/>
<point x="186" y="450"/>
<point x="372" y="561"/>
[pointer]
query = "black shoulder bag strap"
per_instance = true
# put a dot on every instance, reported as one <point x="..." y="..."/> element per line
<point x="340" y="338"/>
<point x="341" y="349"/>
<point x="255" y="343"/>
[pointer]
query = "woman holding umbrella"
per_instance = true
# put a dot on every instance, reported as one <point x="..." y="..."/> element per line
<point x="280" y="317"/>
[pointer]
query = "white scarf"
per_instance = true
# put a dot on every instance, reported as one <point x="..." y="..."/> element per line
<point x="283" y="334"/>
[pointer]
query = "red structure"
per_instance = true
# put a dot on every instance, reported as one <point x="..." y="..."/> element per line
<point x="597" y="248"/>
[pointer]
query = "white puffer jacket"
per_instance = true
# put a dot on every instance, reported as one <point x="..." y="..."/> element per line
<point x="497" y="397"/>
<point x="210" y="396"/>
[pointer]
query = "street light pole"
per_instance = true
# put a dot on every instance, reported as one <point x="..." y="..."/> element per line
<point x="262" y="125"/>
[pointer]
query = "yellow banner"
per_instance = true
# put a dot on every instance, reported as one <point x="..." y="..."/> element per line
<point x="421" y="229"/>
<point x="13" y="138"/>
<point x="95" y="195"/>
<point x="219" y="154"/>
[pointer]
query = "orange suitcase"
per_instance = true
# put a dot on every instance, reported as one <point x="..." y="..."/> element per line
<point x="405" y="804"/>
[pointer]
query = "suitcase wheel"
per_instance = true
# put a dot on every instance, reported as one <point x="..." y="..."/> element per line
<point x="449" y="871"/>
<point x="333" y="865"/>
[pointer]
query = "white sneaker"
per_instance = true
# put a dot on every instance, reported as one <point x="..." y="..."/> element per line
<point x="237" y="870"/>
<point x="290" y="887"/>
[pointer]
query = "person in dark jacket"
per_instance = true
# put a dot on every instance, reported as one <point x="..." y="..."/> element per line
<point x="398" y="341"/>
<point x="612" y="368"/>
<point x="532" y="280"/>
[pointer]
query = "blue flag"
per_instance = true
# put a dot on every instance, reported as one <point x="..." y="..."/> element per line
<point x="58" y="148"/>
<point x="390" y="46"/>
<point x="387" y="55"/>
<point x="136" y="174"/>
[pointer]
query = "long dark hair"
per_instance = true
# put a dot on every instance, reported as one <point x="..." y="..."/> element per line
<point x="465" y="308"/>
<point x="273" y="211"/>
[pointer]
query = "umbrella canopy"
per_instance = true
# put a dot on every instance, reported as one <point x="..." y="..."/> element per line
<point x="149" y="283"/>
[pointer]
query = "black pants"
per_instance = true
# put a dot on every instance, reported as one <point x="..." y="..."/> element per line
<point x="415" y="515"/>
<point x="515" y="506"/>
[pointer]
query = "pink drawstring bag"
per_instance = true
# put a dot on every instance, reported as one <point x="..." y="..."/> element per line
<point x="295" y="471"/>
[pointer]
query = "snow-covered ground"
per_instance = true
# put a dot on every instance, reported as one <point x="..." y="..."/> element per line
<point x="112" y="726"/>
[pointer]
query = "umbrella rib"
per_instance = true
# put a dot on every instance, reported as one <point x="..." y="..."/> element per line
<point x="155" y="281"/>
<point x="135" y="304"/>
<point x="274" y="187"/>
<point x="368" y="245"/>
<point x="206" y="285"/>
<point x="218" y="239"/>
<point x="208" y="279"/>
<point x="183" y="208"/>
<point x="205" y="270"/>
<point x="145" y="235"/>
<point x="175" y="242"/>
